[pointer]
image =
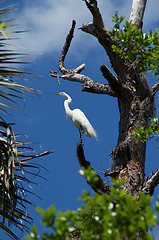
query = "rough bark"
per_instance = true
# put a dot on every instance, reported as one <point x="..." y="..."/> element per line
<point x="135" y="99"/>
<point x="151" y="182"/>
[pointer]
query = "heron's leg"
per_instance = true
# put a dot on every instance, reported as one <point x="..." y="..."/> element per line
<point x="80" y="135"/>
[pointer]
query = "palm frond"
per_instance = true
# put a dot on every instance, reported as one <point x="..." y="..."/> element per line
<point x="15" y="159"/>
<point x="15" y="155"/>
<point x="9" y="74"/>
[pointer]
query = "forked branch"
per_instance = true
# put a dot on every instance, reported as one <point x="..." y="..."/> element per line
<point x="99" y="30"/>
<point x="97" y="17"/>
<point x="74" y="74"/>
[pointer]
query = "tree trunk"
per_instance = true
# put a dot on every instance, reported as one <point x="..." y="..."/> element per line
<point x="128" y="158"/>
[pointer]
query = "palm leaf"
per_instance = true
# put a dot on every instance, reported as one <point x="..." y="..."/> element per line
<point x="10" y="74"/>
<point x="15" y="159"/>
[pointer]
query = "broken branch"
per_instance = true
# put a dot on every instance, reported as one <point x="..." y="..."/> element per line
<point x="99" y="186"/>
<point x="114" y="82"/>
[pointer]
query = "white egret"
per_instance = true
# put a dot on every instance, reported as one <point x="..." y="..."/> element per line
<point x="78" y="118"/>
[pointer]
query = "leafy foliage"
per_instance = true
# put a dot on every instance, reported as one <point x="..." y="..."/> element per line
<point x="136" y="46"/>
<point x="89" y="174"/>
<point x="102" y="217"/>
<point x="144" y="134"/>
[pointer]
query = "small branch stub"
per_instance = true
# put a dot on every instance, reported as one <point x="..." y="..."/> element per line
<point x="151" y="183"/>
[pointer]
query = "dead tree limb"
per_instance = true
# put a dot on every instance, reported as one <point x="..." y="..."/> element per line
<point x="99" y="30"/>
<point x="74" y="75"/>
<point x="114" y="82"/>
<point x="64" y="53"/>
<point x="99" y="186"/>
<point x="95" y="87"/>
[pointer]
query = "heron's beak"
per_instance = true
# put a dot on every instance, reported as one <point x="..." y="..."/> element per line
<point x="56" y="93"/>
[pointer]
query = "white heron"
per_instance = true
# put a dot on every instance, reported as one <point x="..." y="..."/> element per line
<point x="78" y="118"/>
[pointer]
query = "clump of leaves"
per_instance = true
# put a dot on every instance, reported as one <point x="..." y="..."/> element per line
<point x="112" y="216"/>
<point x="90" y="175"/>
<point x="146" y="133"/>
<point x="136" y="46"/>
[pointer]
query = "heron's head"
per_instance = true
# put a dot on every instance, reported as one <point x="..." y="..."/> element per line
<point x="63" y="94"/>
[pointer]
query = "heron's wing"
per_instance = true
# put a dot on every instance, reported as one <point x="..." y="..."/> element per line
<point x="80" y="121"/>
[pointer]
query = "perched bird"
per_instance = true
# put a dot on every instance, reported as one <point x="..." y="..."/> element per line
<point x="78" y="118"/>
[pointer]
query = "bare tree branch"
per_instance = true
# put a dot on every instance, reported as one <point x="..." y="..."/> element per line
<point x="151" y="183"/>
<point x="74" y="74"/>
<point x="119" y="89"/>
<point x="97" y="17"/>
<point x="99" y="186"/>
<point x="137" y="12"/>
<point x="64" y="52"/>
<point x="109" y="75"/>
<point x="114" y="83"/>
<point x="88" y="85"/>
<point x="98" y="88"/>
<point x="98" y="29"/>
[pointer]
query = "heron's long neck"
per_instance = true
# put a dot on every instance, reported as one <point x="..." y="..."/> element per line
<point x="67" y="109"/>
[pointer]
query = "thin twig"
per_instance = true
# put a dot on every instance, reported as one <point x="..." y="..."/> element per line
<point x="55" y="73"/>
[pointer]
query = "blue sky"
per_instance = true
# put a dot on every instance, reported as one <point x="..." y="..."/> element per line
<point x="43" y="119"/>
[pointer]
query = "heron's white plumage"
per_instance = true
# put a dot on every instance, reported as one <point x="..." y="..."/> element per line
<point x="78" y="117"/>
<point x="81" y="122"/>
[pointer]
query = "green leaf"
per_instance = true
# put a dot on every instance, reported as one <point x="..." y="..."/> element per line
<point x="136" y="46"/>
